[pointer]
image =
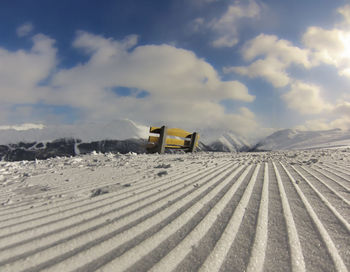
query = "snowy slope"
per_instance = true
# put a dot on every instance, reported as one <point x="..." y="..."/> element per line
<point x="271" y="211"/>
<point x="289" y="139"/>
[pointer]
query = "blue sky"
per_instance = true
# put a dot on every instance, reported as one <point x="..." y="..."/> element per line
<point x="250" y="66"/>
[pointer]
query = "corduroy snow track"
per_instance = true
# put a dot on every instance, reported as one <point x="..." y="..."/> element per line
<point x="270" y="211"/>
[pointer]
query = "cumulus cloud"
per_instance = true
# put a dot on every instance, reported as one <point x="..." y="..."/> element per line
<point x="21" y="71"/>
<point x="271" y="69"/>
<point x="345" y="11"/>
<point x="306" y="99"/>
<point x="330" y="47"/>
<point x="25" y="29"/>
<point x="272" y="58"/>
<point x="162" y="70"/>
<point x="273" y="47"/>
<point x="342" y="122"/>
<point x="342" y="108"/>
<point x="202" y="2"/>
<point x="197" y="24"/>
<point x="226" y="26"/>
<point x="179" y="88"/>
<point x="315" y="125"/>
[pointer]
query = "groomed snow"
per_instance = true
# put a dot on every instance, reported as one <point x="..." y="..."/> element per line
<point x="271" y="211"/>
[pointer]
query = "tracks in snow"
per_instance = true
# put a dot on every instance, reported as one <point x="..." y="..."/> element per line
<point x="205" y="212"/>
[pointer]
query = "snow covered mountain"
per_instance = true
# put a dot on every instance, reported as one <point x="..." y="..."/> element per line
<point x="125" y="136"/>
<point x="225" y="141"/>
<point x="117" y="129"/>
<point x="28" y="142"/>
<point x="289" y="139"/>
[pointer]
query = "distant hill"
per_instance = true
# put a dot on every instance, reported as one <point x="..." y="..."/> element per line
<point x="291" y="139"/>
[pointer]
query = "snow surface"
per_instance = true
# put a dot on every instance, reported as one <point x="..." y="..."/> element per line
<point x="267" y="211"/>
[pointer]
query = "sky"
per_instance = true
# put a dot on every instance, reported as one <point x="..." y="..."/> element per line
<point x="252" y="66"/>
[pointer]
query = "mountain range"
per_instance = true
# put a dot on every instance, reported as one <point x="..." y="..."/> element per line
<point x="123" y="136"/>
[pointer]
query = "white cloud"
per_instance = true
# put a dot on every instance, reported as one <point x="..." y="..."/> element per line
<point x="202" y="2"/>
<point x="342" y="109"/>
<point x="315" y="125"/>
<point x="330" y="47"/>
<point x="26" y="126"/>
<point x="274" y="57"/>
<point x="306" y="99"/>
<point x="342" y="122"/>
<point x="225" y="41"/>
<point x="273" y="47"/>
<point x="183" y="90"/>
<point x="271" y="57"/>
<point x="339" y="116"/>
<point x="345" y="11"/>
<point x="21" y="71"/>
<point x="25" y="29"/>
<point x="271" y="69"/>
<point x="226" y="27"/>
<point x="345" y="72"/>
<point x="197" y="24"/>
<point x="163" y="70"/>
